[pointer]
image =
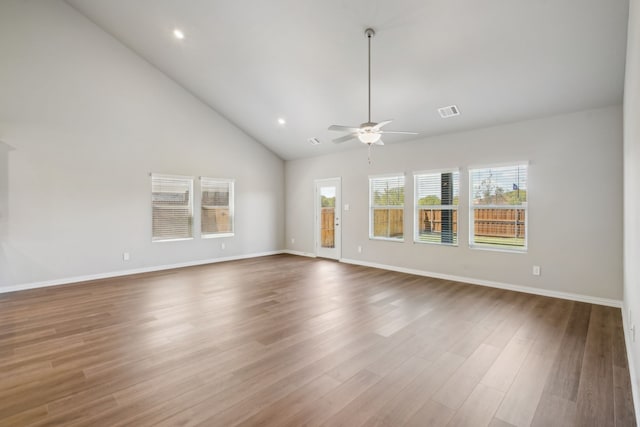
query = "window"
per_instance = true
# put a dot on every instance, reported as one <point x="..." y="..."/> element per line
<point x="386" y="202"/>
<point x="498" y="207"/>
<point x="216" y="207"/>
<point x="172" y="207"/>
<point x="436" y="207"/>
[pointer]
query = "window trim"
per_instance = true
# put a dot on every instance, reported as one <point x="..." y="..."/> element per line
<point x="232" y="190"/>
<point x="526" y="163"/>
<point x="492" y="247"/>
<point x="153" y="176"/>
<point x="395" y="207"/>
<point x="416" y="207"/>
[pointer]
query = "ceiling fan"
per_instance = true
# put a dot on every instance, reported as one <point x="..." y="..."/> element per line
<point x="369" y="132"/>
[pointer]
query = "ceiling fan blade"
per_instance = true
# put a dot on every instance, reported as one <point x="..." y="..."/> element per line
<point x="398" y="132"/>
<point x="383" y="123"/>
<point x="379" y="142"/>
<point x="344" y="128"/>
<point x="345" y="138"/>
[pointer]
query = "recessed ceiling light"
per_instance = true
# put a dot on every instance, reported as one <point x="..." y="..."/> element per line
<point x="282" y="121"/>
<point x="178" y="34"/>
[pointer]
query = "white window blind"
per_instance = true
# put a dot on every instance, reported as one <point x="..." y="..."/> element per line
<point x="172" y="207"/>
<point x="498" y="207"/>
<point x="216" y="207"/>
<point x="386" y="207"/>
<point x="436" y="207"/>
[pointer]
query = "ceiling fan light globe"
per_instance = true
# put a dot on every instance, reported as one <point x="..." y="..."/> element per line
<point x="369" y="137"/>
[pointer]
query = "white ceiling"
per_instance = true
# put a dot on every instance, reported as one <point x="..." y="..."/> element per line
<point x="306" y="60"/>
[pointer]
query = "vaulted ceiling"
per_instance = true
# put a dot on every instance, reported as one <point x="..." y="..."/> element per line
<point x="255" y="61"/>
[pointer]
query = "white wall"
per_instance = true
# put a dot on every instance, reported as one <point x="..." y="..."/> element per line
<point x="575" y="199"/>
<point x="88" y="121"/>
<point x="4" y="188"/>
<point x="632" y="182"/>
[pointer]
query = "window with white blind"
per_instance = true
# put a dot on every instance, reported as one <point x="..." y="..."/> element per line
<point x="172" y="207"/>
<point x="436" y="195"/>
<point x="386" y="207"/>
<point x="216" y="219"/>
<point x="498" y="207"/>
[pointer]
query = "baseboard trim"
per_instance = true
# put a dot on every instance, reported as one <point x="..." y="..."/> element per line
<point x="492" y="284"/>
<point x="470" y="280"/>
<point x="298" y="253"/>
<point x="631" y="362"/>
<point x="77" y="279"/>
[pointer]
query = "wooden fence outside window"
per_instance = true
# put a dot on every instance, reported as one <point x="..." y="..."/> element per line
<point x="390" y="223"/>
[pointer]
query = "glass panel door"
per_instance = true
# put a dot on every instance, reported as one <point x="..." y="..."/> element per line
<point x="327" y="193"/>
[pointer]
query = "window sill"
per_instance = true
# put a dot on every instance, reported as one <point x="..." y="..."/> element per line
<point x="498" y="249"/>
<point x="452" y="245"/>
<point x="387" y="239"/>
<point x="172" y="240"/>
<point x="218" y="235"/>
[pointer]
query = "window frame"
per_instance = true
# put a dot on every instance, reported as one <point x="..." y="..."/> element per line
<point x="523" y="206"/>
<point x="372" y="178"/>
<point x="452" y="207"/>
<point x="190" y="205"/>
<point x="230" y="206"/>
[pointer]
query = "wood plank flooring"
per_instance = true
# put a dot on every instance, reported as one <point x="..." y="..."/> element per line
<point x="293" y="341"/>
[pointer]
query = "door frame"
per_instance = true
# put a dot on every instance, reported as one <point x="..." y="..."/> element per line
<point x="338" y="218"/>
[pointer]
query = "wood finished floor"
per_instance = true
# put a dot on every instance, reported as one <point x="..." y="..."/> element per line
<point x="292" y="341"/>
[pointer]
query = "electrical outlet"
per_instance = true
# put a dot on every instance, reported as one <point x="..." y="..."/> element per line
<point x="126" y="256"/>
<point x="359" y="249"/>
<point x="293" y="240"/>
<point x="346" y="206"/>
<point x="536" y="270"/>
<point x="222" y="246"/>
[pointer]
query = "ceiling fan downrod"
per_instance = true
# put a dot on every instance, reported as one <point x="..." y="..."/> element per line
<point x="369" y="32"/>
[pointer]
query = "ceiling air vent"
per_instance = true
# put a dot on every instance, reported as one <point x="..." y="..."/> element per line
<point x="313" y="141"/>
<point x="450" y="111"/>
